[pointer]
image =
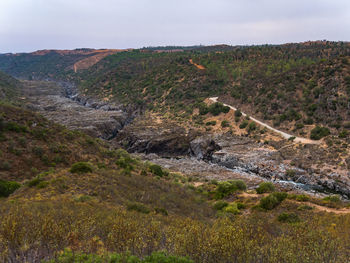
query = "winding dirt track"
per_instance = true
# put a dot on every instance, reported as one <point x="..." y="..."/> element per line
<point x="283" y="134"/>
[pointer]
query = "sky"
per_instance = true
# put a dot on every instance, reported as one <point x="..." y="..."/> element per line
<point x="29" y="25"/>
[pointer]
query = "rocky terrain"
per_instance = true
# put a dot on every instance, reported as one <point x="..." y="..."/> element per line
<point x="219" y="156"/>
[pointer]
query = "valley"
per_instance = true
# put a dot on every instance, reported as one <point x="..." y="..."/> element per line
<point x="176" y="154"/>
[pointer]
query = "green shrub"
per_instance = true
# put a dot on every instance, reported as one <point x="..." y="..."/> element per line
<point x="217" y="108"/>
<point x="224" y="189"/>
<point x="332" y="199"/>
<point x="203" y="109"/>
<point x="35" y="181"/>
<point x="318" y="133"/>
<point x="343" y="134"/>
<point x="251" y="127"/>
<point x="225" y="124"/>
<point x="157" y="170"/>
<point x="272" y="200"/>
<point x="269" y="202"/>
<point x="81" y="167"/>
<point x="302" y="198"/>
<point x="124" y="160"/>
<point x="290" y="173"/>
<point x="244" y="124"/>
<point x="288" y="218"/>
<point x="219" y="205"/>
<point x="280" y="196"/>
<point x="238" y="113"/>
<point x="232" y="208"/>
<point x="8" y="187"/>
<point x="138" y="207"/>
<point x="305" y="207"/>
<point x="210" y="123"/>
<point x="265" y="187"/>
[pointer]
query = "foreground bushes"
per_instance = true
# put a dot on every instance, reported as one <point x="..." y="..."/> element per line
<point x="67" y="256"/>
<point x="35" y="231"/>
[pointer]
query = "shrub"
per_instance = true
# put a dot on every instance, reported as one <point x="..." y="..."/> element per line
<point x="36" y="181"/>
<point x="225" y="124"/>
<point x="304" y="207"/>
<point x="272" y="200"/>
<point x="244" y="124"/>
<point x="157" y="170"/>
<point x="217" y="108"/>
<point x="138" y="207"/>
<point x="224" y="189"/>
<point x="290" y="173"/>
<point x="268" y="202"/>
<point x="210" y="123"/>
<point x="288" y="218"/>
<point x="318" y="133"/>
<point x="265" y="187"/>
<point x="125" y="160"/>
<point x="232" y="208"/>
<point x="302" y="198"/>
<point x="343" y="134"/>
<point x="280" y="196"/>
<point x="81" y="167"/>
<point x="251" y="127"/>
<point x="203" y="109"/>
<point x="219" y="205"/>
<point x="332" y="198"/>
<point x="8" y="187"/>
<point x="238" y="113"/>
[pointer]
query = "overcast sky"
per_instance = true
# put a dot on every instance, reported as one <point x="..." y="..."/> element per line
<point x="28" y="25"/>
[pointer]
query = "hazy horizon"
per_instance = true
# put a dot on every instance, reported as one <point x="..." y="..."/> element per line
<point x="30" y="25"/>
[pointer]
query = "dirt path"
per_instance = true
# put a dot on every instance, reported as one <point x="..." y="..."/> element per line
<point x="328" y="209"/>
<point x="197" y="65"/>
<point x="283" y="134"/>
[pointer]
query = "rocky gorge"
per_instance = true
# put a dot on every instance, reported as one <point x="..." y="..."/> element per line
<point x="204" y="156"/>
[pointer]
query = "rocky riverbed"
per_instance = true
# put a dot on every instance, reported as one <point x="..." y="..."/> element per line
<point x="189" y="151"/>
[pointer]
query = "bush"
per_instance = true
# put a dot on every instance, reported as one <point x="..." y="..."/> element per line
<point x="265" y="187"/>
<point x="232" y="208"/>
<point x="81" y="167"/>
<point x="288" y="218"/>
<point x="304" y="207"/>
<point x="157" y="170"/>
<point x="138" y="207"/>
<point x="225" y="124"/>
<point x="210" y="123"/>
<point x="272" y="200"/>
<point x="251" y="127"/>
<point x="244" y="124"/>
<point x="332" y="199"/>
<point x="8" y="187"/>
<point x="269" y="202"/>
<point x="280" y="196"/>
<point x="34" y="182"/>
<point x="318" y="133"/>
<point x="224" y="189"/>
<point x="219" y="205"/>
<point x="290" y="173"/>
<point x="302" y="198"/>
<point x="217" y="108"/>
<point x="238" y="113"/>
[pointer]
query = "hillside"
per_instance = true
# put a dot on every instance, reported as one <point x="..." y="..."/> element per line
<point x="207" y="184"/>
<point x="9" y="87"/>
